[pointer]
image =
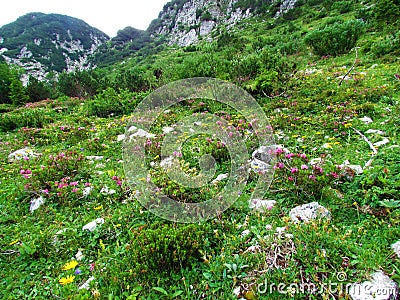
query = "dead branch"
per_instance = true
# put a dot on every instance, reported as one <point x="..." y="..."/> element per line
<point x="351" y="69"/>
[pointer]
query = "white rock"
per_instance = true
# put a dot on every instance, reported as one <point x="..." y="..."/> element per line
<point x="366" y="120"/>
<point x="396" y="248"/>
<point x="280" y="230"/>
<point x="219" y="178"/>
<point x="92" y="225"/>
<point x="168" y="162"/>
<point x="375" y="131"/>
<point x="236" y="291"/>
<point x="121" y="137"/>
<point x="36" y="203"/>
<point x="315" y="161"/>
<point x="381" y="143"/>
<point x="309" y="212"/>
<point x="356" y="168"/>
<point x="245" y="233"/>
<point x="261" y="205"/>
<point x="79" y="255"/>
<point x="85" y="285"/>
<point x="253" y="249"/>
<point x="132" y="128"/>
<point x="107" y="191"/>
<point x="94" y="157"/>
<point x="21" y="153"/>
<point x="380" y="287"/>
<point x="168" y="129"/>
<point x="262" y="158"/>
<point x="143" y="133"/>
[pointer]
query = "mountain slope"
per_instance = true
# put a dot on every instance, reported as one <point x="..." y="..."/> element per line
<point x="41" y="43"/>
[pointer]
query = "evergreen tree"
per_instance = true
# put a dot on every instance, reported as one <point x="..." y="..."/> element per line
<point x="18" y="94"/>
<point x="387" y="11"/>
<point x="5" y="82"/>
<point x="37" y="90"/>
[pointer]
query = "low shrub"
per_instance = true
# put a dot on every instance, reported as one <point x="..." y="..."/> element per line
<point x="335" y="39"/>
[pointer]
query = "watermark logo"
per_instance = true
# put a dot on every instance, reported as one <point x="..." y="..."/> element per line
<point x="337" y="286"/>
<point x="139" y="135"/>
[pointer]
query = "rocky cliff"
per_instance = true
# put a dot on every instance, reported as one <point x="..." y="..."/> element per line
<point x="41" y="43"/>
<point x="185" y="22"/>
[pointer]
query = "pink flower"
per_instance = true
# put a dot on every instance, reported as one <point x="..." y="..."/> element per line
<point x="75" y="183"/>
<point x="290" y="178"/>
<point x="279" y="151"/>
<point x="26" y="158"/>
<point x="74" y="190"/>
<point x="304" y="167"/>
<point x="88" y="184"/>
<point x="312" y="177"/>
<point x="289" y="156"/>
<point x="294" y="170"/>
<point x="303" y="156"/>
<point x="334" y="175"/>
<point x="46" y="191"/>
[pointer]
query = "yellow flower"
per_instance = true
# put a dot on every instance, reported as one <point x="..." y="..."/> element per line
<point x="347" y="125"/>
<point x="66" y="280"/>
<point x="98" y="207"/>
<point x="70" y="265"/>
<point x="13" y="242"/>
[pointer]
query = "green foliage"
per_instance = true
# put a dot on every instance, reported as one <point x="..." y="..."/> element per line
<point x="18" y="94"/>
<point x="166" y="248"/>
<point x="27" y="118"/>
<point x="335" y="39"/>
<point x="110" y="103"/>
<point x="78" y="84"/>
<point x="259" y="6"/>
<point x="5" y="82"/>
<point x="37" y="90"/>
<point x="27" y="30"/>
<point x="388" y="45"/>
<point x="342" y="6"/>
<point x="387" y="11"/>
<point x="206" y="16"/>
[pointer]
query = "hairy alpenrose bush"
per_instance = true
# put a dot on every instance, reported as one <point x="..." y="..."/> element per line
<point x="335" y="39"/>
<point x="166" y="248"/>
<point x="27" y="118"/>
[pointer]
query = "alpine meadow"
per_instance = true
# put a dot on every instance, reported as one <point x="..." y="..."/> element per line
<point x="317" y="215"/>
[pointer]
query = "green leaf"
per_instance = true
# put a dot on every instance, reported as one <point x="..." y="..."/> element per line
<point x="177" y="293"/>
<point x="161" y="290"/>
<point x="390" y="203"/>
